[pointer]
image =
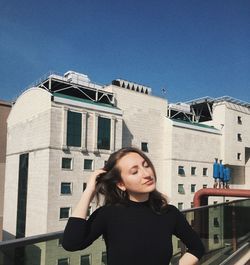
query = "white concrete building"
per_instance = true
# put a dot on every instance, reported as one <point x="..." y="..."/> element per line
<point x="66" y="126"/>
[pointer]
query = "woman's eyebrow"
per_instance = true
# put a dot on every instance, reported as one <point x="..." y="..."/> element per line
<point x="135" y="166"/>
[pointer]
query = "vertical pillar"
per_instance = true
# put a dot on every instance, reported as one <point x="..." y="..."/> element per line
<point x="112" y="133"/>
<point x="64" y="127"/>
<point x="84" y="131"/>
<point x="96" y="115"/>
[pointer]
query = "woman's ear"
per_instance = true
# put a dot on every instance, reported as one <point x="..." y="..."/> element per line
<point x="120" y="185"/>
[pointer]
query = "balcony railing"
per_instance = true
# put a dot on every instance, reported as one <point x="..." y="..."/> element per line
<point x="223" y="228"/>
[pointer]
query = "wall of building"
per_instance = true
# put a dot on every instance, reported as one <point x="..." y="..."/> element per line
<point x="192" y="146"/>
<point x="5" y="108"/>
<point x="144" y="121"/>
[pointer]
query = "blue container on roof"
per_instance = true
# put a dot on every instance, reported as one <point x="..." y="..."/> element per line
<point x="216" y="170"/>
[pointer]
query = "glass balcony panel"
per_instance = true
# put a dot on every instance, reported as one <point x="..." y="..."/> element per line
<point x="220" y="240"/>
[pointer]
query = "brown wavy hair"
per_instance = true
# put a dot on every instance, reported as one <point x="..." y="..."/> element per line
<point x="107" y="182"/>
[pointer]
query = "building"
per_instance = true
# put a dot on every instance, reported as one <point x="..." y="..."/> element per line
<point x="66" y="126"/>
<point x="5" y="108"/>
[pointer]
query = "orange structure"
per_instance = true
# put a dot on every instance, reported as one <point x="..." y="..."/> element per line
<point x="201" y="196"/>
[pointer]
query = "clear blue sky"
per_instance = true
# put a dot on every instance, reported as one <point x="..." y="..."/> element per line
<point x="193" y="48"/>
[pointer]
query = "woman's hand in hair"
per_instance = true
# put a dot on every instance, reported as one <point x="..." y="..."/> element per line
<point x="81" y="209"/>
<point x="91" y="184"/>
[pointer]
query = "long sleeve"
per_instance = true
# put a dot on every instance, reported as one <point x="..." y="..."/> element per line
<point x="188" y="236"/>
<point x="80" y="233"/>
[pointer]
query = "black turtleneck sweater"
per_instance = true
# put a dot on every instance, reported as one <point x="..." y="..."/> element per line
<point x="134" y="234"/>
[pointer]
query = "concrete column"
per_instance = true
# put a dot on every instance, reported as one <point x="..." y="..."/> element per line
<point x="64" y="127"/>
<point x="96" y="115"/>
<point x="84" y="131"/>
<point x="112" y="133"/>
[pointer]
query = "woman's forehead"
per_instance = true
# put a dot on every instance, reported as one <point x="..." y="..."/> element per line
<point x="130" y="159"/>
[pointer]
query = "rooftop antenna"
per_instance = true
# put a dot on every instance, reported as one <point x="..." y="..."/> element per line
<point x="164" y="91"/>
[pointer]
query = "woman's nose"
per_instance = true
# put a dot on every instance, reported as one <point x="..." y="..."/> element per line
<point x="146" y="172"/>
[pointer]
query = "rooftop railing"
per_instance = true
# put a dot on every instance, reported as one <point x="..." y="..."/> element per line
<point x="223" y="228"/>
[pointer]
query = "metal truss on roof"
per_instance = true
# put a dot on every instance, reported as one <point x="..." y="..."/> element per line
<point x="79" y="88"/>
<point x="201" y="109"/>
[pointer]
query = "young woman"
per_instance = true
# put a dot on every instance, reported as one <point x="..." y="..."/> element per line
<point x="136" y="221"/>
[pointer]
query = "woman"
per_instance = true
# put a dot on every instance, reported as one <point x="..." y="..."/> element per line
<point x="136" y="221"/>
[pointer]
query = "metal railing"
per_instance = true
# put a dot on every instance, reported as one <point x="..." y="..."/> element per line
<point x="224" y="229"/>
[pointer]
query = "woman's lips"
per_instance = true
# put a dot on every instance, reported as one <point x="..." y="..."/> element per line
<point x="149" y="182"/>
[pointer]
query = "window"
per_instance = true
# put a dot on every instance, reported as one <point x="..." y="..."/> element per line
<point x="88" y="164"/>
<point x="64" y="261"/>
<point x="181" y="171"/>
<point x="181" y="189"/>
<point x="178" y="243"/>
<point x="216" y="239"/>
<point x="59" y="241"/>
<point x="85" y="260"/>
<point x="239" y="120"/>
<point x="204" y="172"/>
<point x="84" y="186"/>
<point x="66" y="188"/>
<point x="66" y="163"/>
<point x="180" y="205"/>
<point x="192" y="204"/>
<point x="104" y="258"/>
<point x="193" y="171"/>
<point x="144" y="147"/>
<point x="74" y="129"/>
<point x="103" y="138"/>
<point x="216" y="222"/>
<point x="204" y="186"/>
<point x="23" y="176"/>
<point x="239" y="138"/>
<point x="193" y="188"/>
<point x="238" y="156"/>
<point x="64" y="212"/>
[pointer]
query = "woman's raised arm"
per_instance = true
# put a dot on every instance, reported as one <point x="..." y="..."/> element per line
<point x="81" y="208"/>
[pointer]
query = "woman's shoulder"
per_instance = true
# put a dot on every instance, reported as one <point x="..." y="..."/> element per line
<point x="169" y="208"/>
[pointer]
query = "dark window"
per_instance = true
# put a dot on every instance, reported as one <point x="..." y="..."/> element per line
<point x="144" y="147"/>
<point x="193" y="188"/>
<point x="239" y="156"/>
<point x="216" y="239"/>
<point x="66" y="163"/>
<point x="180" y="205"/>
<point x="181" y="189"/>
<point x="60" y="239"/>
<point x="22" y="195"/>
<point x="104" y="258"/>
<point x="84" y="186"/>
<point x="85" y="260"/>
<point x="66" y="188"/>
<point x="64" y="261"/>
<point x="239" y="120"/>
<point x="89" y="211"/>
<point x="204" y="172"/>
<point x="103" y="138"/>
<point x="181" y="171"/>
<point x="178" y="243"/>
<point x="204" y="186"/>
<point x="239" y="138"/>
<point x="64" y="212"/>
<point x="74" y="129"/>
<point x="192" y="204"/>
<point x="88" y="164"/>
<point x="216" y="222"/>
<point x="193" y="171"/>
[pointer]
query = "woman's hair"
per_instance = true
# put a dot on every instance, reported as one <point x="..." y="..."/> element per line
<point x="107" y="182"/>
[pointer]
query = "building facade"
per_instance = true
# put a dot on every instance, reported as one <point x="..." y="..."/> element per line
<point x="5" y="108"/>
<point x="65" y="127"/>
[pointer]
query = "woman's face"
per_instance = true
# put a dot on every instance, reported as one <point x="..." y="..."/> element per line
<point x="137" y="177"/>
